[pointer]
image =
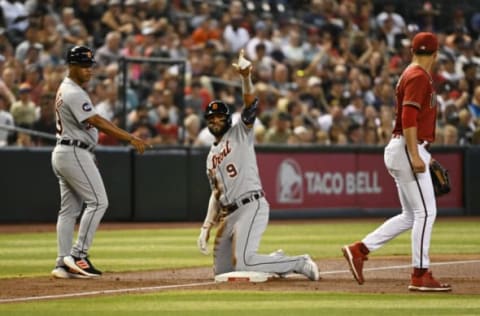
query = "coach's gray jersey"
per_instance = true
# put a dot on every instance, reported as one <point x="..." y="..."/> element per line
<point x="72" y="107"/>
<point x="234" y="163"/>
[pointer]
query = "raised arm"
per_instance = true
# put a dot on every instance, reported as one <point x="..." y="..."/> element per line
<point x="244" y="68"/>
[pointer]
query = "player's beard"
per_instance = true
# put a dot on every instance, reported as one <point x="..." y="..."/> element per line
<point x="219" y="129"/>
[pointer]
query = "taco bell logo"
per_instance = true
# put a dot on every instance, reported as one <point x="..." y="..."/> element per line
<point x="289" y="182"/>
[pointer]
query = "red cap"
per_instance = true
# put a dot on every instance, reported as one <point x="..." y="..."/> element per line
<point x="424" y="43"/>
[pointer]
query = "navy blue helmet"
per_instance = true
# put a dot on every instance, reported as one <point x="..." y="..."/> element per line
<point x="219" y="107"/>
<point x="80" y="55"/>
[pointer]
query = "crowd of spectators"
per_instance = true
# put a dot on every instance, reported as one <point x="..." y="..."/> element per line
<point x="324" y="70"/>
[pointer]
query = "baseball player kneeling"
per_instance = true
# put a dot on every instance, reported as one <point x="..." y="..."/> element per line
<point x="237" y="203"/>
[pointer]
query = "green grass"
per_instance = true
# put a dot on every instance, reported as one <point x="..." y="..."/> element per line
<point x="33" y="254"/>
<point x="243" y="303"/>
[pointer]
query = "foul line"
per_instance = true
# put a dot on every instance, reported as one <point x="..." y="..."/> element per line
<point x="80" y="294"/>
<point x="177" y="286"/>
<point x="402" y="266"/>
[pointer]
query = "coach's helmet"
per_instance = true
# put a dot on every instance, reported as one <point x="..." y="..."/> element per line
<point x="80" y="55"/>
<point x="219" y="107"/>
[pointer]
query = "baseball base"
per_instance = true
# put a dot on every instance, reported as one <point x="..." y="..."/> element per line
<point x="244" y="276"/>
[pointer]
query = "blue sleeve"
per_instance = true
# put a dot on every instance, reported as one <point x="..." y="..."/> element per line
<point x="250" y="113"/>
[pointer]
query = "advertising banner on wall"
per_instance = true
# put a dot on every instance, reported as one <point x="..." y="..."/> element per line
<point x="304" y="181"/>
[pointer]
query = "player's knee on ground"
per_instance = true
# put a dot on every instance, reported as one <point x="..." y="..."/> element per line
<point x="220" y="268"/>
<point x="244" y="263"/>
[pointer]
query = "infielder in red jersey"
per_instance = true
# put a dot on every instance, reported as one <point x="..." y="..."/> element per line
<point x="407" y="158"/>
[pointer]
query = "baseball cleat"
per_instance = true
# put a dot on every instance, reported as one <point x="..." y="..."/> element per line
<point x="63" y="272"/>
<point x="310" y="269"/>
<point x="427" y="283"/>
<point x="355" y="258"/>
<point x="81" y="265"/>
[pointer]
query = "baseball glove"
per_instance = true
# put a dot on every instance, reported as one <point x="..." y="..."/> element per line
<point x="440" y="178"/>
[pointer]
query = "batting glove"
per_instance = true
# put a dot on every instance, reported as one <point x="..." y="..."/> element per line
<point x="243" y="66"/>
<point x="202" y="241"/>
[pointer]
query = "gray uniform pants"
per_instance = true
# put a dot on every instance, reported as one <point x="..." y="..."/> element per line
<point x="238" y="239"/>
<point x="80" y="182"/>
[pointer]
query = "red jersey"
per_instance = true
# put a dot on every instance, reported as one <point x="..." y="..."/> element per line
<point x="415" y="88"/>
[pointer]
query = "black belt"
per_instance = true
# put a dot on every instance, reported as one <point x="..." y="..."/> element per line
<point x="426" y="145"/>
<point x="76" y="143"/>
<point x="230" y="208"/>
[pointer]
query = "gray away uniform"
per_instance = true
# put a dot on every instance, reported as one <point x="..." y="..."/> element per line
<point x="238" y="236"/>
<point x="74" y="164"/>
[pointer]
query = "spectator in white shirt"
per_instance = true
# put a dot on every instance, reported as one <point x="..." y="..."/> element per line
<point x="235" y="35"/>
<point x="5" y="119"/>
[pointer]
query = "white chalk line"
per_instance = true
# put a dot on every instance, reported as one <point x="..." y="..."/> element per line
<point x="178" y="286"/>
<point x="116" y="291"/>
<point x="402" y="266"/>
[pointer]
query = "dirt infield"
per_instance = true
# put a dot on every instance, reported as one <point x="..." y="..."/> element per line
<point x="392" y="276"/>
<point x="383" y="275"/>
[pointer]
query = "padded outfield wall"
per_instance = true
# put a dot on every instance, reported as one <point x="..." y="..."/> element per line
<point x="170" y="184"/>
